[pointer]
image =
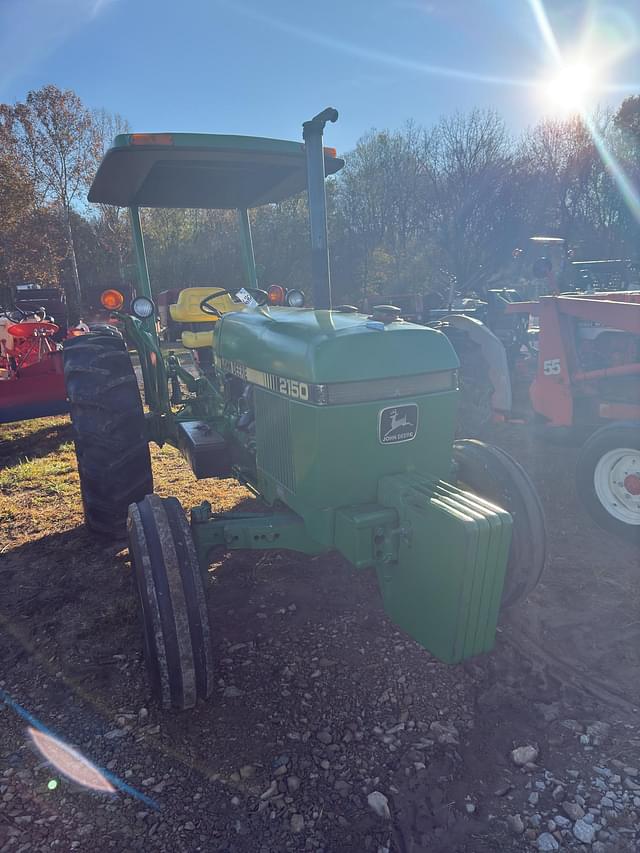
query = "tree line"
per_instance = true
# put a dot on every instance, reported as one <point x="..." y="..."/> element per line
<point x="413" y="210"/>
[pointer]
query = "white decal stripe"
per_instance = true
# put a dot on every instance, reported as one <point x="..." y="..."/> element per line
<point x="358" y="391"/>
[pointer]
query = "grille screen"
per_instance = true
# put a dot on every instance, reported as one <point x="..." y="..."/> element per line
<point x="388" y="389"/>
<point x="273" y="438"/>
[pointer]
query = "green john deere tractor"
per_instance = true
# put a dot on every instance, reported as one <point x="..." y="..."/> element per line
<point x="341" y="422"/>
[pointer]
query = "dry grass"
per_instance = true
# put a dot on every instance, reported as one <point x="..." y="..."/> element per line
<point x="40" y="491"/>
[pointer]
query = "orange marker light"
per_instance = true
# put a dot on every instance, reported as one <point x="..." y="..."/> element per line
<point x="275" y="295"/>
<point x="330" y="152"/>
<point x="151" y="139"/>
<point x="112" y="300"/>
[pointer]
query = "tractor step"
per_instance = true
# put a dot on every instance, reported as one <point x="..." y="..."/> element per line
<point x="204" y="449"/>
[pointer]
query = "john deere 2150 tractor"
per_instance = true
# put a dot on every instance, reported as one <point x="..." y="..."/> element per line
<point x="341" y="422"/>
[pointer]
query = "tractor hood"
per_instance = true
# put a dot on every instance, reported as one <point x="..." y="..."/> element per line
<point x="328" y="347"/>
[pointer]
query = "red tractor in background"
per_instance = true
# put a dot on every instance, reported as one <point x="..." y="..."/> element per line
<point x="33" y="324"/>
<point x="31" y="375"/>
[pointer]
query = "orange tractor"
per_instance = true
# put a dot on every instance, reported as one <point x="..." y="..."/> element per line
<point x="586" y="379"/>
<point x="568" y="361"/>
<point x="577" y="373"/>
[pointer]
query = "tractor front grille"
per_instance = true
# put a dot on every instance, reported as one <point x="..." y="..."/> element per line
<point x="370" y="390"/>
<point x="273" y="438"/>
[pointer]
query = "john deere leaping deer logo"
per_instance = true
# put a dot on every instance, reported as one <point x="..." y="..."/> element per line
<point x="398" y="423"/>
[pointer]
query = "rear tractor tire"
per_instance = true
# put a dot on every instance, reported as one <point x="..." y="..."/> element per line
<point x="608" y="479"/>
<point x="177" y="638"/>
<point x="114" y="464"/>
<point x="493" y="474"/>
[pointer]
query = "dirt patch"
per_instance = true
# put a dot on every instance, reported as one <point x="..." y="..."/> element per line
<point x="320" y="700"/>
<point x="585" y="616"/>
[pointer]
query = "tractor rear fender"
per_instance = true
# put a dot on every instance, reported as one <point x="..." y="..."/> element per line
<point x="494" y="354"/>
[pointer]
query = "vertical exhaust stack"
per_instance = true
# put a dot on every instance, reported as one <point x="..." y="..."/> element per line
<point x="312" y="134"/>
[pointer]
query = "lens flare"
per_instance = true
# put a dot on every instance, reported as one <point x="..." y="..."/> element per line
<point x="625" y="185"/>
<point x="70" y="762"/>
<point x="570" y="90"/>
<point x="576" y="83"/>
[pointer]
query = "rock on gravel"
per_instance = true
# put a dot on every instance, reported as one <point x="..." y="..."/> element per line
<point x="293" y="784"/>
<point x="380" y="804"/>
<point x="271" y="791"/>
<point x="584" y="831"/>
<point x="573" y="810"/>
<point x="445" y="733"/>
<point x="516" y="824"/>
<point x="599" y="730"/>
<point x="547" y="843"/>
<point x="522" y="755"/>
<point x="297" y="823"/>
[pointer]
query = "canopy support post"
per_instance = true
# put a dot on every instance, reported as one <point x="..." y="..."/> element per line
<point x="149" y="323"/>
<point x="246" y="244"/>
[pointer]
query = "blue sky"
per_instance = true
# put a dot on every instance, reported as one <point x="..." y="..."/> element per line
<point x="263" y="67"/>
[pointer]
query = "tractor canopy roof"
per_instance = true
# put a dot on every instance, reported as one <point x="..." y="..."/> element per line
<point x="202" y="170"/>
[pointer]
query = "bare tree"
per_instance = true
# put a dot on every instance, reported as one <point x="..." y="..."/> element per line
<point x="380" y="207"/>
<point x="52" y="135"/>
<point x="111" y="224"/>
<point x="467" y="172"/>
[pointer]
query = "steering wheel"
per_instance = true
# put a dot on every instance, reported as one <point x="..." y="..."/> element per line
<point x="14" y="314"/>
<point x="18" y="314"/>
<point x="206" y="307"/>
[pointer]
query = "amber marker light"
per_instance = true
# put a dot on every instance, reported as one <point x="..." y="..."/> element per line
<point x="276" y="295"/>
<point x="151" y="139"/>
<point x="112" y="300"/>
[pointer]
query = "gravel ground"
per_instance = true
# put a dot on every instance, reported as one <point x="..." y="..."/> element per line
<point x="330" y="730"/>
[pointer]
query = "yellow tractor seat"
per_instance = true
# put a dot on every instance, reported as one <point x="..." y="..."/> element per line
<point x="195" y="340"/>
<point x="187" y="308"/>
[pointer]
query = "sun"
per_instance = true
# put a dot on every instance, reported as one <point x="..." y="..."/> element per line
<point x="570" y="89"/>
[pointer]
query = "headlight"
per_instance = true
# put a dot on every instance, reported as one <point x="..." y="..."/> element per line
<point x="295" y="299"/>
<point x="142" y="307"/>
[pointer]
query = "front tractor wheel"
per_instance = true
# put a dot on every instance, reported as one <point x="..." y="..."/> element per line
<point x="175" y="620"/>
<point x="608" y="479"/>
<point x="114" y="464"/>
<point x="493" y="474"/>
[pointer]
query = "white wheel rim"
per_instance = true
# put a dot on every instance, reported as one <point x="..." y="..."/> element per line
<point x="616" y="472"/>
